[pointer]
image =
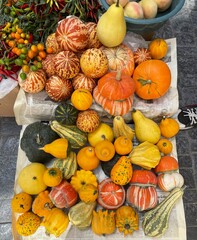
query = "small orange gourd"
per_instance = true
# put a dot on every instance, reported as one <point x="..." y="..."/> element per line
<point x="165" y="146"/>
<point x="105" y="150"/>
<point x="169" y="127"/>
<point x="158" y="48"/>
<point x="123" y="145"/>
<point x="88" y="193"/>
<point x="52" y="176"/>
<point x="21" y="202"/>
<point x="81" y="99"/>
<point x="87" y="159"/>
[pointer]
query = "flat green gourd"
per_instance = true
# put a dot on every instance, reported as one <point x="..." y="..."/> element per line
<point x="65" y="113"/>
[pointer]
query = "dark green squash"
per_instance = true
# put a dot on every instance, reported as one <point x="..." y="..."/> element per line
<point x="65" y="113"/>
<point x="107" y="166"/>
<point x="35" y="136"/>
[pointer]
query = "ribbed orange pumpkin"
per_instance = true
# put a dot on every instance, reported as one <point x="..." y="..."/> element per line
<point x="120" y="58"/>
<point x="152" y="78"/>
<point x="113" y="107"/>
<point x="116" y="86"/>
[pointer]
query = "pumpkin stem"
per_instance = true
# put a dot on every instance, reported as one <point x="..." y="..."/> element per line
<point x="118" y="75"/>
<point x="117" y="3"/>
<point x="144" y="82"/>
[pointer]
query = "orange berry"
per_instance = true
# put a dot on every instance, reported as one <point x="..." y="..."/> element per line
<point x="14" y="49"/>
<point x="25" y="68"/>
<point x="17" y="35"/>
<point x="34" y="48"/>
<point x="49" y="50"/>
<point x="11" y="43"/>
<point x="31" y="54"/>
<point x="40" y="46"/>
<point x="42" y="54"/>
<point x="12" y="34"/>
<point x="18" y="51"/>
<point x="20" y="40"/>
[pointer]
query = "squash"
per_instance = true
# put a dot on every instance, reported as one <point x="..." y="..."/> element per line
<point x="105" y="150"/>
<point x="81" y="99"/>
<point x="165" y="146"/>
<point x="42" y="204"/>
<point x="87" y="159"/>
<point x="68" y="166"/>
<point x="103" y="222"/>
<point x="82" y="81"/>
<point x="155" y="222"/>
<point x="93" y="41"/>
<point x="107" y="166"/>
<point x="127" y="220"/>
<point x="52" y="176"/>
<point x="80" y="215"/>
<point x="35" y="136"/>
<point x="123" y="145"/>
<point x="148" y="85"/>
<point x="52" y="42"/>
<point x="141" y="55"/>
<point x="56" y="222"/>
<point x="66" y="113"/>
<point x="169" y="127"/>
<point x="145" y="155"/>
<point x="21" y="202"/>
<point x="83" y="177"/>
<point x="48" y="65"/>
<point x="59" y="148"/>
<point x="88" y="193"/>
<point x="166" y="164"/>
<point x="27" y="224"/>
<point x="116" y="86"/>
<point x="72" y="133"/>
<point x="122" y="171"/>
<point x="158" y="48"/>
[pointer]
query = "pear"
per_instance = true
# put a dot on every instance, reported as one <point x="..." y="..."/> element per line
<point x="111" y="27"/>
<point x="145" y="129"/>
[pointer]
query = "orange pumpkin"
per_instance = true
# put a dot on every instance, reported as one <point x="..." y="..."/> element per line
<point x="120" y="58"/>
<point x="152" y="79"/>
<point x="113" y="107"/>
<point x="158" y="48"/>
<point x="116" y="86"/>
<point x="167" y="164"/>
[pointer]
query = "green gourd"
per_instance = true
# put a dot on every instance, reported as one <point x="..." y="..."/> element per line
<point x="111" y="27"/>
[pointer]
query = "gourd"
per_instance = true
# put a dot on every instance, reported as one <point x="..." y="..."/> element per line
<point x="120" y="128"/>
<point x="158" y="48"/>
<point x="93" y="41"/>
<point x="80" y="215"/>
<point x="103" y="222"/>
<point x="66" y="113"/>
<point x="111" y="27"/>
<point x="107" y="166"/>
<point x="82" y="81"/>
<point x="35" y="136"/>
<point x="83" y="177"/>
<point x="59" y="148"/>
<point x="52" y="176"/>
<point x="48" y="65"/>
<point x="88" y="193"/>
<point x="152" y="79"/>
<point x="68" y="166"/>
<point x="123" y="145"/>
<point x="155" y="222"/>
<point x="81" y="99"/>
<point x="72" y="133"/>
<point x="141" y="55"/>
<point x="145" y="155"/>
<point x="21" y="202"/>
<point x="105" y="150"/>
<point x="56" y="222"/>
<point x="165" y="146"/>
<point x="169" y="127"/>
<point x="122" y="171"/>
<point x="166" y="164"/>
<point x="42" y="204"/>
<point x="127" y="220"/>
<point x="52" y="42"/>
<point x="27" y="224"/>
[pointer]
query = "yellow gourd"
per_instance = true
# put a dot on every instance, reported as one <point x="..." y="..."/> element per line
<point x="52" y="176"/>
<point x="165" y="146"/>
<point x="21" y="202"/>
<point x="88" y="193"/>
<point x="105" y="150"/>
<point x="123" y="145"/>
<point x="60" y="148"/>
<point x="169" y="127"/>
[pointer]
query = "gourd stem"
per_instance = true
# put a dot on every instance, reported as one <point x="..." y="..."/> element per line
<point x="117" y="3"/>
<point x="118" y="75"/>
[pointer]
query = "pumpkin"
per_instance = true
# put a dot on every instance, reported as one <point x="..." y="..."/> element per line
<point x="94" y="63"/>
<point x="56" y="222"/>
<point x="169" y="127"/>
<point x="123" y="145"/>
<point x="158" y="48"/>
<point x="71" y="34"/>
<point x="27" y="224"/>
<point x="83" y="177"/>
<point x="165" y="146"/>
<point x="120" y="58"/>
<point x="81" y="99"/>
<point x="52" y="177"/>
<point x="103" y="222"/>
<point x="34" y="82"/>
<point x="87" y="159"/>
<point x="66" y="113"/>
<point x="42" y="204"/>
<point x="152" y="79"/>
<point x="111" y="195"/>
<point x="127" y="220"/>
<point x="51" y="42"/>
<point x="88" y="120"/>
<point x="166" y="164"/>
<point x="116" y="86"/>
<point x="82" y="81"/>
<point x="105" y="150"/>
<point x="122" y="171"/>
<point x="63" y="195"/>
<point x="93" y="41"/>
<point x="141" y="55"/>
<point x="113" y="107"/>
<point x="88" y="193"/>
<point x="34" y="137"/>
<point x="48" y="65"/>
<point x="58" y="89"/>
<point x="21" y="202"/>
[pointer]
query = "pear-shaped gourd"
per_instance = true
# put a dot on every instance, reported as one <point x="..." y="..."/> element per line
<point x="145" y="129"/>
<point x="111" y="27"/>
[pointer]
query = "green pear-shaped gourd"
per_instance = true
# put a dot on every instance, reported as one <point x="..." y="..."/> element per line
<point x="111" y="27"/>
<point x="145" y="129"/>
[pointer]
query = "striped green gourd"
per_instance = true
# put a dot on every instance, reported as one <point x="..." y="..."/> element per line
<point x="155" y="222"/>
<point x="72" y="133"/>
